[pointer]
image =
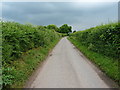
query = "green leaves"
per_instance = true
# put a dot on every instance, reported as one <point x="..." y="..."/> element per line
<point x="103" y="39"/>
<point x="18" y="38"/>
<point x="7" y="76"/>
<point x="65" y="29"/>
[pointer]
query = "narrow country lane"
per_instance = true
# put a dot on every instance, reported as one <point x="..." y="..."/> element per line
<point x="66" y="67"/>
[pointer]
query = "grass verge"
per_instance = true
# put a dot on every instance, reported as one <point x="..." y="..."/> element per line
<point x="108" y="65"/>
<point x="22" y="68"/>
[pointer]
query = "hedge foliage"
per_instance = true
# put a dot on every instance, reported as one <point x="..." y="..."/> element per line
<point x="104" y="39"/>
<point x="17" y="39"/>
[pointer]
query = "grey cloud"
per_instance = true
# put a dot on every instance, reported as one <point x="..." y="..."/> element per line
<point x="80" y="15"/>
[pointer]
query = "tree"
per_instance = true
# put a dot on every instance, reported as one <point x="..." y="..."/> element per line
<point x="54" y="27"/>
<point x="41" y="27"/>
<point x="65" y="29"/>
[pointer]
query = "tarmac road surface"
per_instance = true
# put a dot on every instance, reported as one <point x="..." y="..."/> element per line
<point x="66" y="67"/>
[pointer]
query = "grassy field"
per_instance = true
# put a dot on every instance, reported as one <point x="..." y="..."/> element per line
<point x="100" y="44"/>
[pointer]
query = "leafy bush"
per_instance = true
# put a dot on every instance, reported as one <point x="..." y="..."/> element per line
<point x="18" y="38"/>
<point x="104" y="39"/>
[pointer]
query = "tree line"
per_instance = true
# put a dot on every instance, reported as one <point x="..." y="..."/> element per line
<point x="63" y="29"/>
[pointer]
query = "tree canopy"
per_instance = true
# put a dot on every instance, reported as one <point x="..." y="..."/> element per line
<point x="54" y="27"/>
<point x="65" y="29"/>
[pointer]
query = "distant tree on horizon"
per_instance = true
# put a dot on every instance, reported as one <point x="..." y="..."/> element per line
<point x="65" y="29"/>
<point x="52" y="26"/>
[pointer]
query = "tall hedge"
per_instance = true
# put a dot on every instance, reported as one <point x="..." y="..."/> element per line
<point x="104" y="39"/>
<point x="17" y="39"/>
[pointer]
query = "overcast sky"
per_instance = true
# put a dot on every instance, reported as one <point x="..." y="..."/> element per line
<point x="80" y="15"/>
